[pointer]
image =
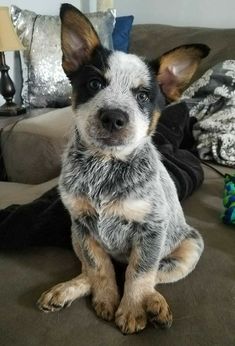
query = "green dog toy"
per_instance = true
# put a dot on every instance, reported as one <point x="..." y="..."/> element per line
<point x="228" y="216"/>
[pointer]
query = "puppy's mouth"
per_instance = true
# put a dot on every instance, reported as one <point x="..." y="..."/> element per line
<point x="110" y="141"/>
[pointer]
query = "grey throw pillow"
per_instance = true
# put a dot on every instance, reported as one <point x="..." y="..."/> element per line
<point x="44" y="81"/>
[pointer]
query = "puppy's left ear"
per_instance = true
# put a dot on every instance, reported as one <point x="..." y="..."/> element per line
<point x="175" y="68"/>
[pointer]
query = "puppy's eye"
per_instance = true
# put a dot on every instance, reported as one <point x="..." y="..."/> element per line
<point x="95" y="85"/>
<point x="142" y="97"/>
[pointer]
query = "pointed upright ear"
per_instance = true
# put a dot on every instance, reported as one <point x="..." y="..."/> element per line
<point x="175" y="68"/>
<point x="78" y="38"/>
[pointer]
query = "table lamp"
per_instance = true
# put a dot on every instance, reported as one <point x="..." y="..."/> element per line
<point x="9" y="41"/>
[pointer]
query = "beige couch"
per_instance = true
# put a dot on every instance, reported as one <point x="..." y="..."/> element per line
<point x="203" y="304"/>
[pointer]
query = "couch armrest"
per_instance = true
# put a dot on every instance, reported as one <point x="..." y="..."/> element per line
<point x="32" y="148"/>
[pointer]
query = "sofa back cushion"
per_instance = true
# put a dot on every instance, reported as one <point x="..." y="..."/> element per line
<point x="152" y="40"/>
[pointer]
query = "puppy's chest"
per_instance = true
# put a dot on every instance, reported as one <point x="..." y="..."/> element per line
<point x="115" y="235"/>
<point x="110" y="199"/>
<point x="112" y="221"/>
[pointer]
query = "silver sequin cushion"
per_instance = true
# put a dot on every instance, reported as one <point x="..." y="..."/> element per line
<point x="44" y="81"/>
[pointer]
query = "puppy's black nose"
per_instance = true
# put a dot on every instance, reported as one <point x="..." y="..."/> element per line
<point x="113" y="119"/>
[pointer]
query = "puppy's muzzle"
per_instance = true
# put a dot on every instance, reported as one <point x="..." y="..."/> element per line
<point x="113" y="120"/>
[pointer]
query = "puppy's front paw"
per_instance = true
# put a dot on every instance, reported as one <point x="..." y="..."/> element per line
<point x="105" y="304"/>
<point x="63" y="294"/>
<point x="130" y="320"/>
<point x="131" y="316"/>
<point x="158" y="310"/>
<point x="55" y="299"/>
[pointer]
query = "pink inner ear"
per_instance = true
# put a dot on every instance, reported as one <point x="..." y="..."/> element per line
<point x="75" y="42"/>
<point x="74" y="49"/>
<point x="167" y="79"/>
<point x="179" y="67"/>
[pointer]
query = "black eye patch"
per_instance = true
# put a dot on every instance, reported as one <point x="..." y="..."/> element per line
<point x="95" y="83"/>
<point x="92" y="79"/>
<point x="89" y="79"/>
<point x="89" y="82"/>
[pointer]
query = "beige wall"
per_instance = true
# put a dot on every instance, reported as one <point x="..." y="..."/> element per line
<point x="208" y="13"/>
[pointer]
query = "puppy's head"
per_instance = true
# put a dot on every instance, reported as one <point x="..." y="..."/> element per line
<point x="118" y="97"/>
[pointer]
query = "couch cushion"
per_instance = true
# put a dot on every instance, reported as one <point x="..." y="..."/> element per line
<point x="32" y="149"/>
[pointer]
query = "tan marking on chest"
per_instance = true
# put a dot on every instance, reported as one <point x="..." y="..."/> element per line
<point x="130" y="209"/>
<point x="78" y="205"/>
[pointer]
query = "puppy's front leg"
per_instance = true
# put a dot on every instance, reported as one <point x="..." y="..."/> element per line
<point x="97" y="266"/>
<point x="140" y="300"/>
<point x="97" y="278"/>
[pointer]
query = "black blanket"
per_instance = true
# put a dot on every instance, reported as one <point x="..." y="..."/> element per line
<point x="45" y="221"/>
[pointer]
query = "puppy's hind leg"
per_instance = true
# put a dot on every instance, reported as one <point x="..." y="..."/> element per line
<point x="63" y="294"/>
<point x="182" y="260"/>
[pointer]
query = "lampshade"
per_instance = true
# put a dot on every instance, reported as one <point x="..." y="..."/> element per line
<point x="8" y="38"/>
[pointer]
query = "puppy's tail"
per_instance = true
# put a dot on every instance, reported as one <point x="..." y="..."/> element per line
<point x="182" y="260"/>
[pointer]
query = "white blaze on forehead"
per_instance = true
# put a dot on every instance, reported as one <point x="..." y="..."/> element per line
<point x="127" y="70"/>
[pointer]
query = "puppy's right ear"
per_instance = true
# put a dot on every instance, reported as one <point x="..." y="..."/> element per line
<point x="78" y="38"/>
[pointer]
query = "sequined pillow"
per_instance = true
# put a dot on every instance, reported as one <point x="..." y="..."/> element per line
<point x="44" y="81"/>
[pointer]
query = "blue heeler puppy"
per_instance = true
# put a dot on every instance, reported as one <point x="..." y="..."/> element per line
<point x="122" y="201"/>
